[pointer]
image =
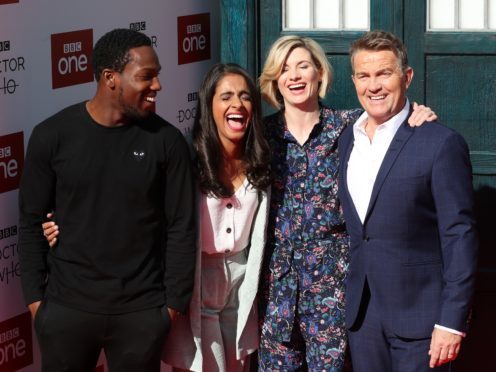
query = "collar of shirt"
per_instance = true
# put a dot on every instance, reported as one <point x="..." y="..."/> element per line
<point x="387" y="129"/>
<point x="284" y="133"/>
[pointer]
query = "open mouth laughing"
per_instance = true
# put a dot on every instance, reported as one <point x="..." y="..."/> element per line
<point x="237" y="121"/>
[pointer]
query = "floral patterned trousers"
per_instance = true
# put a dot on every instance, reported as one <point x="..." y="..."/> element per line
<point x="303" y="308"/>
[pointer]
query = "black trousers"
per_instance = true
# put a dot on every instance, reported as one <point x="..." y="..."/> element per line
<point x="71" y="340"/>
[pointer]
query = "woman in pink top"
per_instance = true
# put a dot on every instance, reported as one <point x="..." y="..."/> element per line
<point x="233" y="175"/>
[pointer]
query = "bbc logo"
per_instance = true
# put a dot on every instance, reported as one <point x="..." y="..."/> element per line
<point x="193" y="29"/>
<point x="4" y="46"/>
<point x="73" y="47"/>
<point x="193" y="96"/>
<point x="5" y="152"/>
<point x="138" y="26"/>
<point x="7" y="233"/>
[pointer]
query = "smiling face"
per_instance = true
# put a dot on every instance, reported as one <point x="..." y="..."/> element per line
<point x="138" y="83"/>
<point x="299" y="80"/>
<point x="380" y="84"/>
<point x="232" y="109"/>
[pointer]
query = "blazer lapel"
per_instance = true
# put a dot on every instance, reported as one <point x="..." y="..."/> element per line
<point x="402" y="136"/>
<point x="344" y="168"/>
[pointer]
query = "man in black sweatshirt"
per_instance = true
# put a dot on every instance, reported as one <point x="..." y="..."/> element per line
<point x="119" y="179"/>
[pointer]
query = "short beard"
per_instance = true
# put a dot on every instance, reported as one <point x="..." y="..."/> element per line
<point x="129" y="112"/>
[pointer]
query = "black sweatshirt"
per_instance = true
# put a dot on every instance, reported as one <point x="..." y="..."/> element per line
<point x="124" y="201"/>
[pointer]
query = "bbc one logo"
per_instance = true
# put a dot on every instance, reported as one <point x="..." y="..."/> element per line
<point x="4" y="46"/>
<point x="11" y="161"/>
<point x="16" y="343"/>
<point x="193" y="38"/>
<point x="71" y="58"/>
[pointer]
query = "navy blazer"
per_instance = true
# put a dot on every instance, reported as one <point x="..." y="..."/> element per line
<point x="417" y="247"/>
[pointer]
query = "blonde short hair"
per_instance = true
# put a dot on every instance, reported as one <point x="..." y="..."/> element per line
<point x="278" y="53"/>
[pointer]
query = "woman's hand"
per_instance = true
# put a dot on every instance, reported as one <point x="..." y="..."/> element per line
<point x="420" y="115"/>
<point x="50" y="230"/>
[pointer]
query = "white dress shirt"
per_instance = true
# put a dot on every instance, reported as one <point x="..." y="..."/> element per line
<point x="367" y="156"/>
<point x="226" y="222"/>
<point x="366" y="159"/>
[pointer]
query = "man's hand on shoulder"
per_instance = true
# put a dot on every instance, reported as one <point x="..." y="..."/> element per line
<point x="445" y="347"/>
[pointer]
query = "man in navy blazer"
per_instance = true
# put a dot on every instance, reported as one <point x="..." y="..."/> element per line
<point x="408" y="202"/>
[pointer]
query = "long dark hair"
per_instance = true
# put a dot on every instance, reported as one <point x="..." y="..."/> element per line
<point x="208" y="147"/>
